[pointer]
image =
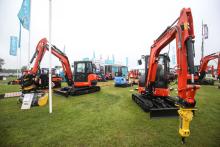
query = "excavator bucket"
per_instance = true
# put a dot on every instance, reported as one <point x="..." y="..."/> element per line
<point x="43" y="100"/>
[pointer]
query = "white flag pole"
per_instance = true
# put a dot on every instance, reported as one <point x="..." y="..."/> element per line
<point x="29" y="38"/>
<point x="17" y="64"/>
<point x="50" y="79"/>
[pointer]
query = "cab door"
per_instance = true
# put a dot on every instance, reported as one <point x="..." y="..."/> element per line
<point x="80" y="72"/>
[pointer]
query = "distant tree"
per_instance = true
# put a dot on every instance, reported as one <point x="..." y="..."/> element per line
<point x="2" y="62"/>
<point x="23" y="68"/>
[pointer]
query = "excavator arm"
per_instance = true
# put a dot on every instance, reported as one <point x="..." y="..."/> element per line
<point x="29" y="81"/>
<point x="42" y="47"/>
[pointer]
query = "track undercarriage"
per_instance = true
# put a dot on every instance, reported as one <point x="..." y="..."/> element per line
<point x="157" y="106"/>
<point x="73" y="91"/>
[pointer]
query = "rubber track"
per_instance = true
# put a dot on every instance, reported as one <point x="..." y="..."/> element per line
<point x="76" y="91"/>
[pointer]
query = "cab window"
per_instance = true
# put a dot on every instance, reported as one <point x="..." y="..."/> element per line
<point x="80" y="68"/>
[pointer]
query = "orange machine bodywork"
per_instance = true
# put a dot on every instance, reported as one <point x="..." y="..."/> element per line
<point x="133" y="76"/>
<point x="91" y="77"/>
<point x="133" y="73"/>
<point x="157" y="91"/>
<point x="141" y="90"/>
<point x="161" y="92"/>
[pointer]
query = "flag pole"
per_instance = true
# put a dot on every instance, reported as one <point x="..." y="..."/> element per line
<point x="202" y="48"/>
<point x="50" y="79"/>
<point x="19" y="48"/>
<point x="17" y="65"/>
<point x="29" y="38"/>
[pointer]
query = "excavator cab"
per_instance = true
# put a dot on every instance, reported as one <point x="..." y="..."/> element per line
<point x="163" y="71"/>
<point x="84" y="73"/>
<point x="162" y="74"/>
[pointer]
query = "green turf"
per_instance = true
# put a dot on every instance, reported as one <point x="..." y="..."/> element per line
<point x="4" y="87"/>
<point x="106" y="118"/>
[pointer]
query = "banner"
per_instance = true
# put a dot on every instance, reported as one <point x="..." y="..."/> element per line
<point x="24" y="14"/>
<point x="13" y="45"/>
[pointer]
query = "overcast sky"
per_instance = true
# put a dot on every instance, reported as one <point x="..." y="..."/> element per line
<point x="125" y="28"/>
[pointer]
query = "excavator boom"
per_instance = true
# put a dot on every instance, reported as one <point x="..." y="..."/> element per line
<point x="42" y="47"/>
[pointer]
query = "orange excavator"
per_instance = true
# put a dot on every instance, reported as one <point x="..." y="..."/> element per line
<point x="36" y="78"/>
<point x="202" y="69"/>
<point x="155" y="97"/>
<point x="84" y="81"/>
<point x="133" y="76"/>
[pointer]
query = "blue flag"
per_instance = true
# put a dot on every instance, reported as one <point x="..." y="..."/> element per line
<point x="13" y="45"/>
<point x="24" y="14"/>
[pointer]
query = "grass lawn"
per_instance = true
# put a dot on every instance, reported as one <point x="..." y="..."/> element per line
<point x="106" y="118"/>
<point x="4" y="87"/>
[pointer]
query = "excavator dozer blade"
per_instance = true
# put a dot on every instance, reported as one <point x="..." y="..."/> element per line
<point x="164" y="112"/>
<point x="74" y="91"/>
<point x="157" y="106"/>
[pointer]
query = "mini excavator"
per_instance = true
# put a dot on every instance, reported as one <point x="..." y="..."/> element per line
<point x="154" y="95"/>
<point x="133" y="76"/>
<point x="84" y="81"/>
<point x="202" y="68"/>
